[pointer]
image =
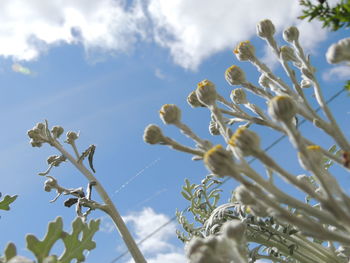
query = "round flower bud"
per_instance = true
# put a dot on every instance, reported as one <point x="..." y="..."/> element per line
<point x="206" y="92"/>
<point x="153" y="134"/>
<point x="282" y="108"/>
<point x="339" y="52"/>
<point x="235" y="75"/>
<point x="245" y="51"/>
<point x="291" y="34"/>
<point x="170" y="114"/>
<point x="265" y="29"/>
<point x="193" y="100"/>
<point x="239" y="96"/>
<point x="57" y="131"/>
<point x="246" y="141"/>
<point x="219" y="161"/>
<point x="71" y="137"/>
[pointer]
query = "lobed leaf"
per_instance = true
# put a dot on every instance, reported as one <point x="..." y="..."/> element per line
<point x="41" y="249"/>
<point x="4" y="204"/>
<point x="74" y="247"/>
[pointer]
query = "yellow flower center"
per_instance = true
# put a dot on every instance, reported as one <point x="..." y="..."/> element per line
<point x="234" y="137"/>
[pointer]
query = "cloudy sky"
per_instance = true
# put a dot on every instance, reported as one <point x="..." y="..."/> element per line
<point x="105" y="68"/>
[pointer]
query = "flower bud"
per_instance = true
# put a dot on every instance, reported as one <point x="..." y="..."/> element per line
<point x="235" y="75"/>
<point x="291" y="34"/>
<point x="193" y="100"/>
<point x="57" y="131"/>
<point x="239" y="96"/>
<point x="245" y="51"/>
<point x="153" y="135"/>
<point x="282" y="108"/>
<point x="246" y="141"/>
<point x="206" y="92"/>
<point x="170" y="114"/>
<point x="265" y="29"/>
<point x="71" y="137"/>
<point x="38" y="135"/>
<point x="339" y="52"/>
<point x="219" y="161"/>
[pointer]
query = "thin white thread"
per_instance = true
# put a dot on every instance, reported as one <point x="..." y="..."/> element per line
<point x="135" y="176"/>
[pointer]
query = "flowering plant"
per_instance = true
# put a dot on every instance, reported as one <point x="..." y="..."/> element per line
<point x="262" y="221"/>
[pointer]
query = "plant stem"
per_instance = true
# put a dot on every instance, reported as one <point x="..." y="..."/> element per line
<point x="111" y="210"/>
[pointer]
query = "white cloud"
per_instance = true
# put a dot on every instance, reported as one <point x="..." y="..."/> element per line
<point x="194" y="30"/>
<point x="191" y="30"/>
<point x="157" y="248"/>
<point x="144" y="223"/>
<point x="337" y="72"/>
<point x="28" y="27"/>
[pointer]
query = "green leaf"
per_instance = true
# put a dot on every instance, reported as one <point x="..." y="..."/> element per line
<point x="41" y="249"/>
<point x="186" y="196"/>
<point x="4" y="204"/>
<point x="74" y="246"/>
<point x="10" y="251"/>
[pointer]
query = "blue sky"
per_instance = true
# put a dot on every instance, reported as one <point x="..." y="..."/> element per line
<point x="105" y="68"/>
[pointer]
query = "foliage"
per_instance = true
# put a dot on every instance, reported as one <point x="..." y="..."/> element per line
<point x="203" y="199"/>
<point x="75" y="243"/>
<point x="332" y="17"/>
<point x="6" y="201"/>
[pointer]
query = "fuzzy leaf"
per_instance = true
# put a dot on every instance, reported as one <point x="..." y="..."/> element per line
<point x="74" y="246"/>
<point x="41" y="249"/>
<point x="10" y="251"/>
<point x="4" y="204"/>
<point x="186" y="196"/>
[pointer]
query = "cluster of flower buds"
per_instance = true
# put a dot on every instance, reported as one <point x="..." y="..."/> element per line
<point x="38" y="135"/>
<point x="286" y="102"/>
